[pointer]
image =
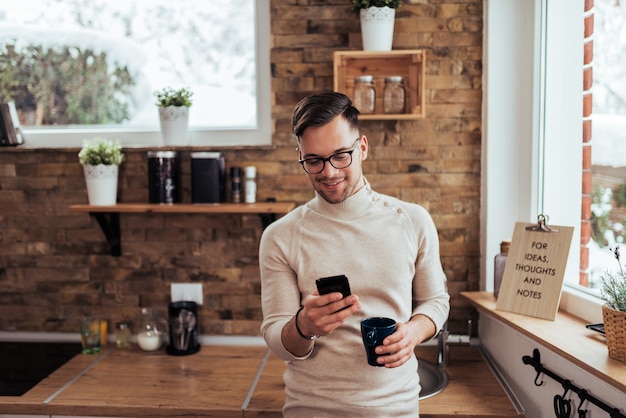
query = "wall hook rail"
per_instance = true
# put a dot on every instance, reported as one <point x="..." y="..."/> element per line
<point x="583" y="394"/>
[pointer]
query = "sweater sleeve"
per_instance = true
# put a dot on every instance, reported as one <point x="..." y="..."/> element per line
<point x="430" y="295"/>
<point x="280" y="294"/>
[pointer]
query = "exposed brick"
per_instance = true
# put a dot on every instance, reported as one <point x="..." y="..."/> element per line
<point x="434" y="161"/>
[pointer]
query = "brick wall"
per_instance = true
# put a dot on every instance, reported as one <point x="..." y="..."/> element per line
<point x="587" y="181"/>
<point x="55" y="265"/>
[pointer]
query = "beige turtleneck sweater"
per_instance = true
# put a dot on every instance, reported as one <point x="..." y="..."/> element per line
<point x="389" y="250"/>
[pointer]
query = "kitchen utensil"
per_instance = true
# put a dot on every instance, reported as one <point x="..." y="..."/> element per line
<point x="190" y="324"/>
<point x="183" y="319"/>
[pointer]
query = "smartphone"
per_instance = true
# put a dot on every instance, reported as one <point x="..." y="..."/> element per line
<point x="332" y="284"/>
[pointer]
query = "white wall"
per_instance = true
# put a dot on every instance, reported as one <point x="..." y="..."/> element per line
<point x="507" y="347"/>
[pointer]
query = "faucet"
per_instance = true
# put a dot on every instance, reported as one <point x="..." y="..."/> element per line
<point x="445" y="340"/>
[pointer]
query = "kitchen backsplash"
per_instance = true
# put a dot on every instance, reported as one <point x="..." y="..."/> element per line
<point x="55" y="265"/>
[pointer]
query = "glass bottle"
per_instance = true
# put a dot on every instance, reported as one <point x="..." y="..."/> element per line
<point x="122" y="335"/>
<point x="393" y="95"/>
<point x="250" y="184"/>
<point x="152" y="331"/>
<point x="235" y="184"/>
<point x="364" y="94"/>
<point x="499" y="264"/>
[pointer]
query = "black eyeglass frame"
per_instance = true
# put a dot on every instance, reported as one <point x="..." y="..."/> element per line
<point x="329" y="159"/>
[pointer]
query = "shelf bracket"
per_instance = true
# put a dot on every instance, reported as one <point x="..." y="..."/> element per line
<point x="267" y="218"/>
<point x="110" y="224"/>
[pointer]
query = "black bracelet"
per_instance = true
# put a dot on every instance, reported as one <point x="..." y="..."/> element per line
<point x="295" y="319"/>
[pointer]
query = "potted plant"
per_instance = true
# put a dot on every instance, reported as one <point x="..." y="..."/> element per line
<point x="101" y="158"/>
<point x="174" y="114"/>
<point x="377" y="21"/>
<point x="614" y="310"/>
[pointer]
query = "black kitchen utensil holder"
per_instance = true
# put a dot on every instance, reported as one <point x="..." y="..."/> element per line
<point x="583" y="394"/>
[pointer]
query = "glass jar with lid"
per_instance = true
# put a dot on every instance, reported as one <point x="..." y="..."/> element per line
<point x="393" y="95"/>
<point x="364" y="94"/>
<point x="153" y="330"/>
<point x="122" y="335"/>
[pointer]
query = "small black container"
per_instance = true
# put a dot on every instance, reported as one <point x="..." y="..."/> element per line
<point x="162" y="177"/>
<point x="207" y="177"/>
<point x="183" y="325"/>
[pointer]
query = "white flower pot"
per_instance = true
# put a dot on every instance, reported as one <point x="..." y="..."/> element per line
<point x="377" y="28"/>
<point x="101" y="183"/>
<point x="174" y="124"/>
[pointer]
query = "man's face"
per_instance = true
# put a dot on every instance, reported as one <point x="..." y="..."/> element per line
<point x="334" y="184"/>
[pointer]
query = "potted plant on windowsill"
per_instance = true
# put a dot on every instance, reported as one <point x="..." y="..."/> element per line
<point x="614" y="310"/>
<point x="377" y="21"/>
<point x="174" y="114"/>
<point x="101" y="158"/>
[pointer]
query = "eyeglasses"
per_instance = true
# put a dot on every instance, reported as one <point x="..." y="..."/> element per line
<point x="338" y="160"/>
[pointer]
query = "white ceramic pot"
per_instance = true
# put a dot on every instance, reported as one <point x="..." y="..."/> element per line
<point x="174" y="124"/>
<point x="101" y="183"/>
<point x="377" y="28"/>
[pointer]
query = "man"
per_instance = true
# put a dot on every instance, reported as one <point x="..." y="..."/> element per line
<point x="388" y="249"/>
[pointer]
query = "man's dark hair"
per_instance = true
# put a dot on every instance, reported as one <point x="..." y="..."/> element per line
<point x="320" y="108"/>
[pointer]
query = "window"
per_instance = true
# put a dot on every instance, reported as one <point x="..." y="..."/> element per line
<point x="532" y="144"/>
<point x="608" y="138"/>
<point x="90" y="68"/>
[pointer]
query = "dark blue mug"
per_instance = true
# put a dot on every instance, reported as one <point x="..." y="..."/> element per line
<point x="374" y="331"/>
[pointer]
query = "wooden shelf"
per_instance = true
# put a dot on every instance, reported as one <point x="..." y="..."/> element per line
<point x="108" y="217"/>
<point x="409" y="64"/>
<point x="240" y="208"/>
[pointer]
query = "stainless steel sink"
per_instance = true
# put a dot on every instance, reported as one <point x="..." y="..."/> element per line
<point x="433" y="379"/>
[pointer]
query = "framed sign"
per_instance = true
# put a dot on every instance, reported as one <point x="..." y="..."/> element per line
<point x="534" y="271"/>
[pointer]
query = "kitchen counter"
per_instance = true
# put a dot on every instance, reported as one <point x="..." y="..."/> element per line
<point x="473" y="390"/>
<point x="219" y="381"/>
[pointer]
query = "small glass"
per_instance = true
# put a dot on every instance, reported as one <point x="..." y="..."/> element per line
<point x="90" y="334"/>
<point x="122" y="335"/>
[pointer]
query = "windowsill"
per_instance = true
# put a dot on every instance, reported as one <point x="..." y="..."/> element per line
<point x="566" y="336"/>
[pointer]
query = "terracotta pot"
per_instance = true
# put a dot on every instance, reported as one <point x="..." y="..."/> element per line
<point x="615" y="330"/>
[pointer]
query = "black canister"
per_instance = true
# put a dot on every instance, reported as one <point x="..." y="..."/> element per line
<point x="162" y="177"/>
<point x="207" y="177"/>
<point x="183" y="324"/>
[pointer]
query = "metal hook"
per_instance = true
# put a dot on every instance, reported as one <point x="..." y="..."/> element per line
<point x="537" y="378"/>
<point x="567" y="385"/>
<point x="582" y="413"/>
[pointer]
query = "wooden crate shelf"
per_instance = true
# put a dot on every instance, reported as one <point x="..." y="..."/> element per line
<point x="409" y="64"/>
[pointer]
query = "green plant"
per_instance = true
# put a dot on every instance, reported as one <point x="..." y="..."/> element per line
<point x="614" y="286"/>
<point x="101" y="151"/>
<point x="170" y="97"/>
<point x="357" y="5"/>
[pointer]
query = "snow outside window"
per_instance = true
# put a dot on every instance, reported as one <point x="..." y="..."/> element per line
<point x="81" y="68"/>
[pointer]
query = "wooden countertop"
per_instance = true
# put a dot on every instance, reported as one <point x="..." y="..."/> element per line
<point x="473" y="390"/>
<point x="217" y="382"/>
<point x="566" y="336"/>
<point x="34" y="401"/>
<point x="211" y="383"/>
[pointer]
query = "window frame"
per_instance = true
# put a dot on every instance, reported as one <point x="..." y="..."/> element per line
<point x="42" y="137"/>
<point x="532" y="113"/>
